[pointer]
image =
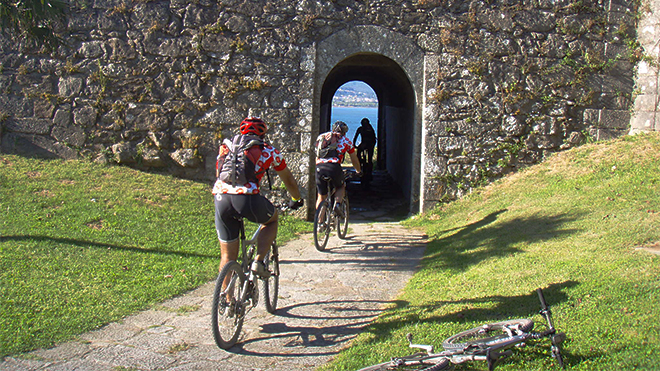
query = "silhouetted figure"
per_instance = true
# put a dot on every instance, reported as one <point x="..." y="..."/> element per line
<point x="365" y="149"/>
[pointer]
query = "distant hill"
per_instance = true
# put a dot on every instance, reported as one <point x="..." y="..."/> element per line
<point x="355" y="94"/>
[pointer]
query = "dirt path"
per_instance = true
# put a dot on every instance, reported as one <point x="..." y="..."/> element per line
<point x="326" y="298"/>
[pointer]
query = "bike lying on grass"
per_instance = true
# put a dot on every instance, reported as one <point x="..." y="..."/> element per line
<point x="490" y="343"/>
<point x="238" y="289"/>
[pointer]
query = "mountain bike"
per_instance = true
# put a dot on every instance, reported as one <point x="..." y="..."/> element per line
<point x="238" y="289"/>
<point x="490" y="343"/>
<point x="327" y="218"/>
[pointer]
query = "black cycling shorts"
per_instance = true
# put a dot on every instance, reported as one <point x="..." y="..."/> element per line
<point x="332" y="170"/>
<point x="228" y="207"/>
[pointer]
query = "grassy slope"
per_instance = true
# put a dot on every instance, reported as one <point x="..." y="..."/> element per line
<point x="569" y="226"/>
<point x="83" y="244"/>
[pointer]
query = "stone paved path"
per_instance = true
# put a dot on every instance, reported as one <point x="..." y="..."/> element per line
<point x="326" y="298"/>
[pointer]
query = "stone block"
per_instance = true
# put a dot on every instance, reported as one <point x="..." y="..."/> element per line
<point x="28" y="125"/>
<point x="72" y="135"/>
<point x="615" y="119"/>
<point x="643" y="121"/>
<point x="646" y="102"/>
<point x="647" y="83"/>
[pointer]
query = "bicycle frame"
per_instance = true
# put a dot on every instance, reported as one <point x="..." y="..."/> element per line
<point x="245" y="253"/>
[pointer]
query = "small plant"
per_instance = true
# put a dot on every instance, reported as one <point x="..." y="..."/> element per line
<point x="52" y="98"/>
<point x="446" y="36"/>
<point x="70" y="68"/>
<point x="254" y="84"/>
<point x="238" y="45"/>
<point x="215" y="28"/>
<point x="100" y="77"/>
<point x="118" y="107"/>
<point x="187" y="309"/>
<point x="121" y="8"/>
<point x="176" y="348"/>
<point x="440" y="94"/>
<point x="308" y="21"/>
<point x="190" y="142"/>
<point x="23" y="69"/>
<point x="155" y="27"/>
<point x="478" y="67"/>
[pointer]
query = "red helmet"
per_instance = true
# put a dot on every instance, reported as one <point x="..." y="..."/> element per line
<point x="253" y="125"/>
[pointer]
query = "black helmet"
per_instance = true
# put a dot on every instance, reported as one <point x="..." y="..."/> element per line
<point x="340" y="127"/>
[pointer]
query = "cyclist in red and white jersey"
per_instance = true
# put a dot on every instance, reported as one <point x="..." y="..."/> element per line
<point x="234" y="200"/>
<point x="329" y="164"/>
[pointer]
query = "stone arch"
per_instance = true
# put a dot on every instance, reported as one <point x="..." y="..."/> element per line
<point x="392" y="65"/>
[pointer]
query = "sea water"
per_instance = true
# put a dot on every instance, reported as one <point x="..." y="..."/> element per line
<point x="352" y="117"/>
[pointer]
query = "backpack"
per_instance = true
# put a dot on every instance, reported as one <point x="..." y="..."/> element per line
<point x="326" y="145"/>
<point x="237" y="167"/>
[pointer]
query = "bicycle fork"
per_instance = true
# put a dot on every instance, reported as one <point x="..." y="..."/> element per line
<point x="555" y="338"/>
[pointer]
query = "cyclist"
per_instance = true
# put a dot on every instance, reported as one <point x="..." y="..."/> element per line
<point x="331" y="148"/>
<point x="365" y="149"/>
<point x="234" y="199"/>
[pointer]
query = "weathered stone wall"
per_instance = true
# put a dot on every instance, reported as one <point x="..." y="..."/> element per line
<point x="157" y="83"/>
<point x="647" y="90"/>
<point x="517" y="81"/>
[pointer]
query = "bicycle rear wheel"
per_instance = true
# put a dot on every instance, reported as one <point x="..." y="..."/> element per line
<point x="227" y="312"/>
<point x="322" y="225"/>
<point x="415" y="362"/>
<point x="483" y="335"/>
<point x="342" y="223"/>
<point x="269" y="287"/>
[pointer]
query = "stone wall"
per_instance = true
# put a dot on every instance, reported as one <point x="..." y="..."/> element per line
<point x="647" y="102"/>
<point x="156" y="84"/>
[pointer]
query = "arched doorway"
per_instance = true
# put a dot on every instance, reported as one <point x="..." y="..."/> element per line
<point x="396" y="115"/>
<point x="394" y="67"/>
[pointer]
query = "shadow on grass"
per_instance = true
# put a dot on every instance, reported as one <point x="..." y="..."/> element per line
<point x="483" y="240"/>
<point x="499" y="308"/>
<point x="83" y="243"/>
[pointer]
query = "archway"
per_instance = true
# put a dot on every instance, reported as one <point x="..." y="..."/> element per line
<point x="395" y="110"/>
<point x="375" y="56"/>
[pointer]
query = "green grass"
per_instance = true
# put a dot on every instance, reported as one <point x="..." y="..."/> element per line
<point x="571" y="226"/>
<point x="82" y="245"/>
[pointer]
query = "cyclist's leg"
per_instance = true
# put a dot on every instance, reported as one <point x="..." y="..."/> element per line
<point x="338" y="183"/>
<point x="227" y="227"/>
<point x="370" y="157"/>
<point x="266" y="237"/>
<point x="257" y="209"/>
<point x="321" y="185"/>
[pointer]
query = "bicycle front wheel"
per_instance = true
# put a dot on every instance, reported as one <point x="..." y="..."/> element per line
<point x="322" y="226"/>
<point x="270" y="286"/>
<point x="227" y="309"/>
<point x="415" y="362"/>
<point x="482" y="336"/>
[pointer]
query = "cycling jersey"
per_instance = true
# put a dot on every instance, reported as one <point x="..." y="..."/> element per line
<point x="344" y="145"/>
<point x="269" y="156"/>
